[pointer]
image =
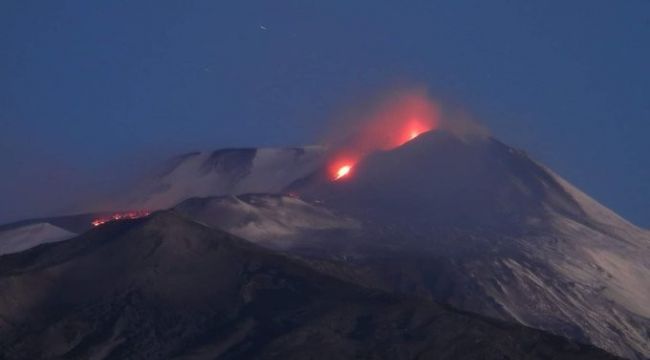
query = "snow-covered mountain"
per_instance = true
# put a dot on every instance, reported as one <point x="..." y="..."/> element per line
<point x="526" y="245"/>
<point x="467" y="221"/>
<point x="28" y="236"/>
<point x="472" y="222"/>
<point x="223" y="172"/>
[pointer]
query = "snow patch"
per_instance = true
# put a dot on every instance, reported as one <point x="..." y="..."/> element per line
<point x="600" y="213"/>
<point x="627" y="282"/>
<point x="267" y="219"/>
<point x="29" y="236"/>
<point x="228" y="172"/>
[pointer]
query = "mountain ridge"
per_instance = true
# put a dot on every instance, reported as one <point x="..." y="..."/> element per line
<point x="147" y="301"/>
<point x="468" y="221"/>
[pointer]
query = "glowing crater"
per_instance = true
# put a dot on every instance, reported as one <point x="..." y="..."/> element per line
<point x="343" y="171"/>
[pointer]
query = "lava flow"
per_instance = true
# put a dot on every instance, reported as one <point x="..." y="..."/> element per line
<point x="120" y="216"/>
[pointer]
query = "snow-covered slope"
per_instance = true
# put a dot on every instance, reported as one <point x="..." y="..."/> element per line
<point x="467" y="221"/>
<point x="572" y="279"/>
<point x="25" y="237"/>
<point x="602" y="217"/>
<point x="271" y="220"/>
<point x="224" y="172"/>
<point x="508" y="237"/>
<point x="512" y="239"/>
<point x="167" y="288"/>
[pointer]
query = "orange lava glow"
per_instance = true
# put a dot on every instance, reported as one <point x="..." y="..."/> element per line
<point x="120" y="216"/>
<point x="393" y="123"/>
<point x="343" y="171"/>
<point x="415" y="129"/>
<point x="342" y="166"/>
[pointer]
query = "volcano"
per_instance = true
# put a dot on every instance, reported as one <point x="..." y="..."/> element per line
<point x="480" y="225"/>
<point x="444" y="218"/>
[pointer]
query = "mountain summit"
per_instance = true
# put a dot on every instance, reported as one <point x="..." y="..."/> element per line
<point x="462" y="220"/>
<point x="475" y="223"/>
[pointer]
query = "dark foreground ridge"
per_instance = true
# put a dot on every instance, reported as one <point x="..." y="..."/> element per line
<point x="165" y="287"/>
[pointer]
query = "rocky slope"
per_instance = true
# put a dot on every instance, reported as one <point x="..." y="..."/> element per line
<point x="163" y="287"/>
<point x="519" y="242"/>
<point x="466" y="221"/>
<point x="471" y="222"/>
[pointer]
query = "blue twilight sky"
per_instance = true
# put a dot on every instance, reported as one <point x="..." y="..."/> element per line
<point x="93" y="85"/>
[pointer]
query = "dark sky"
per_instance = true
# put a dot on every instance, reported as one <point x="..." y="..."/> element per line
<point x="87" y="86"/>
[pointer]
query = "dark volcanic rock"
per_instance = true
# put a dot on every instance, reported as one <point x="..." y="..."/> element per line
<point x="164" y="287"/>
